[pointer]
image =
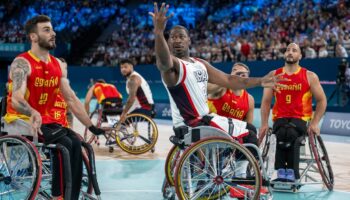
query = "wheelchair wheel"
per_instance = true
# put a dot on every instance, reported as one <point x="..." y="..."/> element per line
<point x="20" y="168"/>
<point x="138" y="134"/>
<point x="86" y="184"/>
<point x="96" y="119"/>
<point x="168" y="191"/>
<point x="208" y="169"/>
<point x="170" y="163"/>
<point x="266" y="144"/>
<point x="321" y="156"/>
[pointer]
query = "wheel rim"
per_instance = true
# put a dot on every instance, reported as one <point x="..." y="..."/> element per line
<point x="322" y="160"/>
<point x="170" y="163"/>
<point x="138" y="134"/>
<point x="204" y="171"/>
<point x="20" y="172"/>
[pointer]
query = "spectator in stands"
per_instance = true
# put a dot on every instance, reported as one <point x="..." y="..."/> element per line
<point x="340" y="51"/>
<point x="309" y="52"/>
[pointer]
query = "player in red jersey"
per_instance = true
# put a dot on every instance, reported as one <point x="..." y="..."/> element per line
<point x="238" y="104"/>
<point x="102" y="91"/>
<point x="36" y="79"/>
<point x="292" y="111"/>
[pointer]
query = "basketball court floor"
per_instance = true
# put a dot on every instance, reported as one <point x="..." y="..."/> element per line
<point x="129" y="177"/>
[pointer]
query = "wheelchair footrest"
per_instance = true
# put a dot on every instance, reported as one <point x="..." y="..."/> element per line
<point x="284" y="185"/>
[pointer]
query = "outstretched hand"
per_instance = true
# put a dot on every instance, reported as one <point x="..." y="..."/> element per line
<point x="273" y="81"/>
<point x="159" y="17"/>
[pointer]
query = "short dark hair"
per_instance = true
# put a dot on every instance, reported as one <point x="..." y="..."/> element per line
<point x="30" y="26"/>
<point x="180" y="27"/>
<point x="100" y="81"/>
<point x="126" y="60"/>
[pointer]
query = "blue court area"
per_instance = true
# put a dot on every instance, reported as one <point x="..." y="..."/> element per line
<point x="142" y="179"/>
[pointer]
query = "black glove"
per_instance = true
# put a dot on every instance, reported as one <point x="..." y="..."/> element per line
<point x="96" y="131"/>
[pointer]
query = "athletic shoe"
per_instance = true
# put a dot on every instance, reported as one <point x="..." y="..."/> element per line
<point x="281" y="173"/>
<point x="290" y="175"/>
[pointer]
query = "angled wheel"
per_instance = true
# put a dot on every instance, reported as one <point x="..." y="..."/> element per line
<point x="96" y="119"/>
<point x="321" y="156"/>
<point x="86" y="184"/>
<point x="209" y="169"/>
<point x="138" y="134"/>
<point x="20" y="168"/>
<point x="268" y="150"/>
<point x="266" y="144"/>
<point x="170" y="163"/>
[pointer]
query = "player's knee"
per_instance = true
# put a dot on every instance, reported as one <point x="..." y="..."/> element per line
<point x="281" y="136"/>
<point x="286" y="137"/>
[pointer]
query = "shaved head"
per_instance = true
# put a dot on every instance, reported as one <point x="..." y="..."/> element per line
<point x="295" y="45"/>
<point x="292" y="54"/>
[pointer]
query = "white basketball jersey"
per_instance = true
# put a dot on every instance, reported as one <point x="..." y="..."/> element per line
<point x="144" y="97"/>
<point x="188" y="98"/>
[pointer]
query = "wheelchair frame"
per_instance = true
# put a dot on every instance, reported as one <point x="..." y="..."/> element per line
<point x="184" y="145"/>
<point x="316" y="161"/>
<point x="125" y="139"/>
<point x="41" y="169"/>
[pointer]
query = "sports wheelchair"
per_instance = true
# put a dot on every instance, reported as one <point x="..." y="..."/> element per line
<point x="204" y="164"/>
<point x="314" y="165"/>
<point x="26" y="169"/>
<point x="137" y="135"/>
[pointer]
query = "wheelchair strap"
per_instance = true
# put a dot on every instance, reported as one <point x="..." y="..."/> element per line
<point x="230" y="126"/>
<point x="195" y="135"/>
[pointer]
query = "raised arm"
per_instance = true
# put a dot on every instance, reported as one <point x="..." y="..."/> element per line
<point x="167" y="64"/>
<point x="236" y="82"/>
<point x="72" y="100"/>
<point x="321" y="102"/>
<point x="215" y="91"/>
<point x="19" y="72"/>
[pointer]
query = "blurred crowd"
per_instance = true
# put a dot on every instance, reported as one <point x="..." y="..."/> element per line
<point x="68" y="16"/>
<point x="241" y="31"/>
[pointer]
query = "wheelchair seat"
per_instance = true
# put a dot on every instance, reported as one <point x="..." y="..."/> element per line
<point x="185" y="135"/>
<point x="112" y="106"/>
<point x="17" y="127"/>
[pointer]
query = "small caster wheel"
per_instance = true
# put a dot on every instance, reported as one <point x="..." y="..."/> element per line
<point x="153" y="149"/>
<point x="110" y="149"/>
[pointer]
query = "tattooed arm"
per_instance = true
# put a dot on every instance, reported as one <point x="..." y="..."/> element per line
<point x="19" y="72"/>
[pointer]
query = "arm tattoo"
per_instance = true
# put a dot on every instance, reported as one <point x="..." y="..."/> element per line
<point x="19" y="72"/>
<point x="24" y="108"/>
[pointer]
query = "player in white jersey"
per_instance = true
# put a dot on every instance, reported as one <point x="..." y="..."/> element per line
<point x="186" y="78"/>
<point x="140" y="98"/>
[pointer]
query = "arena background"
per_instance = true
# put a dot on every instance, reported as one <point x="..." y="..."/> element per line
<point x="94" y="35"/>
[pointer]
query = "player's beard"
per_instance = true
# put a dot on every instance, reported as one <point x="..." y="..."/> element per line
<point x="127" y="75"/>
<point x="46" y="45"/>
<point x="291" y="61"/>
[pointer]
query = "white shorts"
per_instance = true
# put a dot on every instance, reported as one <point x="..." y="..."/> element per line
<point x="220" y="122"/>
